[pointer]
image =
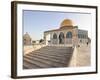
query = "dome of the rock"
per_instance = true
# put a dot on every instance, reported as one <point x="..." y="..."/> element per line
<point x="66" y="23"/>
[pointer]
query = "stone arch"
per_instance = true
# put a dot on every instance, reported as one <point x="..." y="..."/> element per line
<point x="54" y="36"/>
<point x="61" y="38"/>
<point x="69" y="34"/>
<point x="69" y="37"/>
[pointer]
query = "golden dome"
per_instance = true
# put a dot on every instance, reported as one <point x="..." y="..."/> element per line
<point x="66" y="23"/>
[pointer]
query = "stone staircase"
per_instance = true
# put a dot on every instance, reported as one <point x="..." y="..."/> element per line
<point x="48" y="57"/>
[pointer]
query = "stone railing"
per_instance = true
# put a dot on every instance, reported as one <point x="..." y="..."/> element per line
<point x="73" y="61"/>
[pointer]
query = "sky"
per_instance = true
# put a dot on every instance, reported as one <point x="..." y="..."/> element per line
<point x="36" y="22"/>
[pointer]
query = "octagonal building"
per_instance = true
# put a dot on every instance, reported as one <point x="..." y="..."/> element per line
<point x="67" y="34"/>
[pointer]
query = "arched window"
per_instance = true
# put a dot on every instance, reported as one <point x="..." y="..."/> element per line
<point x="69" y="35"/>
<point x="54" y="36"/>
<point x="82" y="35"/>
<point x="86" y="36"/>
<point x="79" y="36"/>
<point x="61" y="35"/>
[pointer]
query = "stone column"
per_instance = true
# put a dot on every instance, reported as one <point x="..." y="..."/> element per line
<point x="75" y="37"/>
<point x="64" y="38"/>
<point x="45" y="38"/>
<point x="58" y="38"/>
<point x="51" y="39"/>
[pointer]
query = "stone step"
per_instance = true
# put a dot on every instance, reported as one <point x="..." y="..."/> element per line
<point x="45" y="62"/>
<point x="61" y="61"/>
<point x="49" y="53"/>
<point x="54" y="48"/>
<point x="37" y="63"/>
<point x="52" y="56"/>
<point x="27" y="64"/>
<point x="48" y="57"/>
<point x="53" y="51"/>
